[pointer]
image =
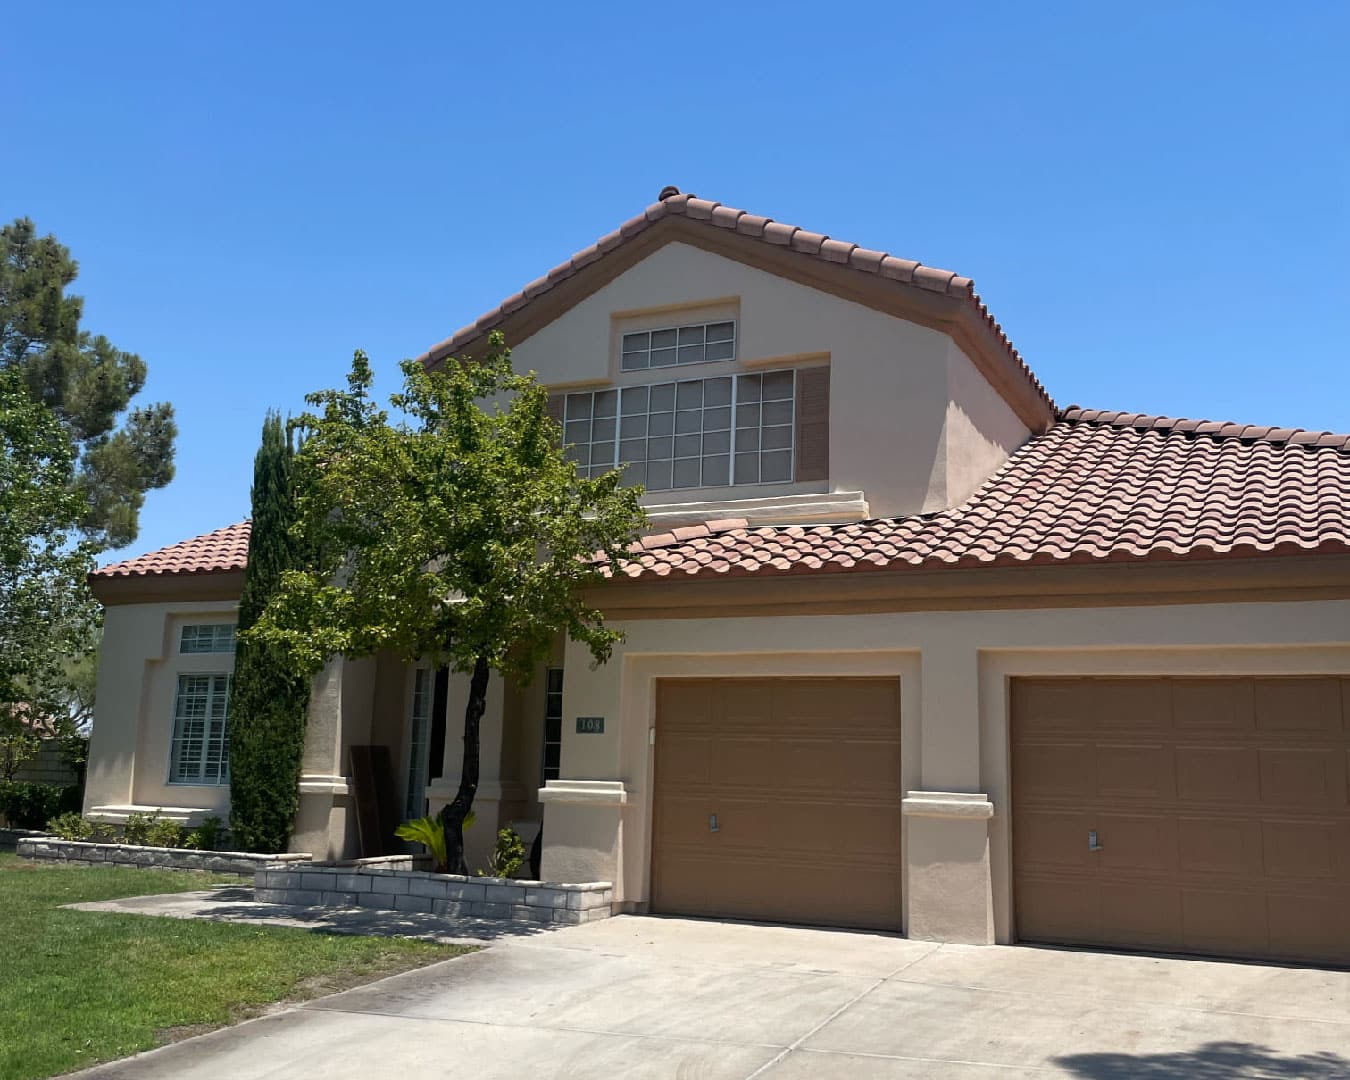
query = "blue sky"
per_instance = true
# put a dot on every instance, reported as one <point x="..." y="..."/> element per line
<point x="1152" y="197"/>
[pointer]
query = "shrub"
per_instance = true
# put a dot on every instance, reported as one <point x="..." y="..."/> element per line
<point x="163" y="833"/>
<point x="31" y="806"/>
<point x="71" y="827"/>
<point x="508" y="856"/>
<point x="430" y="833"/>
<point x="208" y="836"/>
<point x="136" y="828"/>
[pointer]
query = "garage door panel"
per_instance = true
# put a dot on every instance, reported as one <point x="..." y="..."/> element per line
<point x="1065" y="772"/>
<point x="1051" y="707"/>
<point x="1223" y="921"/>
<point x="1214" y="705"/>
<point x="1291" y="777"/>
<point x="1054" y="838"/>
<point x="1135" y="772"/>
<point x="1218" y="774"/>
<point x="1136" y="842"/>
<point x="1141" y="914"/>
<point x="1227" y="832"/>
<point x="1131" y="705"/>
<point x="1299" y="705"/>
<point x="803" y="776"/>
<point x="1220" y="846"/>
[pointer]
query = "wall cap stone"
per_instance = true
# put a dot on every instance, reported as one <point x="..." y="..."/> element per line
<point x="947" y="804"/>
<point x="584" y="792"/>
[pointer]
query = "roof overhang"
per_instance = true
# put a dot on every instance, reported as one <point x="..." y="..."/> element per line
<point x="167" y="588"/>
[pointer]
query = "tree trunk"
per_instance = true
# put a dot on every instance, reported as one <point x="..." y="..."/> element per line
<point x="454" y="812"/>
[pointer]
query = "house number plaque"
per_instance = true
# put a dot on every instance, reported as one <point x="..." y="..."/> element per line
<point x="590" y="725"/>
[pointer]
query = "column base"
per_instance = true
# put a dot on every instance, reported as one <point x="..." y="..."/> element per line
<point x="950" y="894"/>
<point x="583" y="831"/>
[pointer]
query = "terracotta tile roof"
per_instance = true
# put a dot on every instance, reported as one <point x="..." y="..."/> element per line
<point x="905" y="272"/>
<point x="211" y="553"/>
<point x="1098" y="486"/>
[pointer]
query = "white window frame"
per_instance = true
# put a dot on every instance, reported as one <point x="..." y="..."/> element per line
<point x="421" y="702"/>
<point x="679" y="346"/>
<point x="213" y="637"/>
<point x="587" y="411"/>
<point x="215" y="731"/>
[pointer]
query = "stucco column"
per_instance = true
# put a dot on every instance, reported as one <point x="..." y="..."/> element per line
<point x="481" y="837"/>
<point x="584" y="810"/>
<point x="340" y="705"/>
<point x="950" y="890"/>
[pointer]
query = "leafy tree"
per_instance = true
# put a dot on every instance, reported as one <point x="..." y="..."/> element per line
<point x="461" y="535"/>
<point x="269" y="698"/>
<point x="85" y="381"/>
<point x="46" y="613"/>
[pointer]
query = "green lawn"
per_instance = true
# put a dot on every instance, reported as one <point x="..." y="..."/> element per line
<point x="79" y="987"/>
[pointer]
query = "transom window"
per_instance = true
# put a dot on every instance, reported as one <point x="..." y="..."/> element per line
<point x="701" y="343"/>
<point x="553" y="715"/>
<point x="737" y="429"/>
<point x="207" y="638"/>
<point x="201" y="745"/>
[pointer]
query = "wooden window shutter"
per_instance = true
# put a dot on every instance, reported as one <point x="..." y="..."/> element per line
<point x="556" y="402"/>
<point x="813" y="424"/>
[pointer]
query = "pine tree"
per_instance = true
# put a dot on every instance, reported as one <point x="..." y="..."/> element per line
<point x="269" y="698"/>
<point x="86" y="382"/>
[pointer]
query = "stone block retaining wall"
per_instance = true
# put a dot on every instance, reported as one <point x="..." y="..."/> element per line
<point x="224" y="862"/>
<point x="438" y="894"/>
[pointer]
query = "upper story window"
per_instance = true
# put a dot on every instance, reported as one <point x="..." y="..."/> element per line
<point x="207" y="638"/>
<point x="735" y="429"/>
<point x="701" y="343"/>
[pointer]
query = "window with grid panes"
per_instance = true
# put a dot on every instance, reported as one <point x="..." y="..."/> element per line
<point x="700" y="343"/>
<point x="207" y="638"/>
<point x="200" y="752"/>
<point x="419" y="732"/>
<point x="689" y="433"/>
<point x="553" y="715"/>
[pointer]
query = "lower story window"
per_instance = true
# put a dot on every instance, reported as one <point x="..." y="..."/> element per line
<point x="201" y="747"/>
<point x="419" y="724"/>
<point x="553" y="723"/>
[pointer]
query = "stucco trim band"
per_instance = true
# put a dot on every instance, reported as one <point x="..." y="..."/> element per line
<point x="584" y="792"/>
<point x="946" y="804"/>
<point x="320" y="784"/>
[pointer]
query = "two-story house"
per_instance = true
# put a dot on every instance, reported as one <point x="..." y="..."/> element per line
<point x="909" y="646"/>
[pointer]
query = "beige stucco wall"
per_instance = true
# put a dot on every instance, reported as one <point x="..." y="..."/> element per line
<point x="912" y="422"/>
<point x="138" y="673"/>
<point x="954" y="669"/>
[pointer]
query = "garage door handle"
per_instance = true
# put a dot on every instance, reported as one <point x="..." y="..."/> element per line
<point x="1093" y="845"/>
<point x="712" y="823"/>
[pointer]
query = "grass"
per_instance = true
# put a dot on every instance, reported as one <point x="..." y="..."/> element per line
<point x="80" y="987"/>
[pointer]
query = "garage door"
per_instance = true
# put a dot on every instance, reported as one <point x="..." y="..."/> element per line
<point x="778" y="799"/>
<point x="1218" y="811"/>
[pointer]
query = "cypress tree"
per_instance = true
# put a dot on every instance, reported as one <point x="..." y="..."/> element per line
<point x="269" y="698"/>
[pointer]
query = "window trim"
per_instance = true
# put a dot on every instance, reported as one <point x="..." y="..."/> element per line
<point x="176" y="737"/>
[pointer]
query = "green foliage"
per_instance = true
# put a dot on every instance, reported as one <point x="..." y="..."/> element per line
<point x="85" y="382"/>
<point x="208" y="836"/>
<point x="428" y="832"/>
<point x="508" y="856"/>
<point x="269" y="697"/>
<point x="47" y="615"/>
<point x="136" y="828"/>
<point x="72" y="826"/>
<point x="164" y="833"/>
<point x="31" y="806"/>
<point x="462" y="535"/>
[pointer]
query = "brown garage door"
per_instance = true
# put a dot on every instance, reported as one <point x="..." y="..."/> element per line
<point x="778" y="799"/>
<point x="1219" y="805"/>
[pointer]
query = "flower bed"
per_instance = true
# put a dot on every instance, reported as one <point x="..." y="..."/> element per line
<point x="225" y="862"/>
<point x="371" y="884"/>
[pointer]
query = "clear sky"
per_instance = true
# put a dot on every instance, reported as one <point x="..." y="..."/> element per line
<point x="1152" y="197"/>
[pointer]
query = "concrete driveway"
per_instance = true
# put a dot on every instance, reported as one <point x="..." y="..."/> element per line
<point x="642" y="997"/>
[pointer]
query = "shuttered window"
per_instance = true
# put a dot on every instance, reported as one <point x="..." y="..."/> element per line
<point x="200" y="752"/>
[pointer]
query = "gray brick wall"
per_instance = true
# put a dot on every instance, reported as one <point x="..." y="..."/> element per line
<point x="354" y="885"/>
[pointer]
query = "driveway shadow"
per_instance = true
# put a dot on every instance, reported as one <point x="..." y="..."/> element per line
<point x="1212" y="1061"/>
